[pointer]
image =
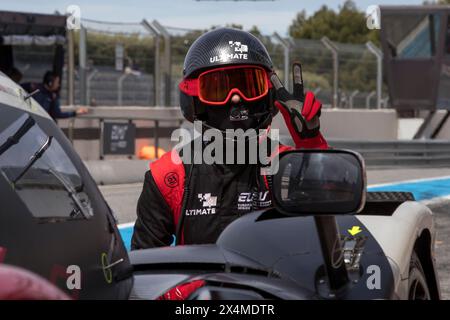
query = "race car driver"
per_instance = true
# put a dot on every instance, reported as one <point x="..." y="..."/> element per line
<point x="228" y="83"/>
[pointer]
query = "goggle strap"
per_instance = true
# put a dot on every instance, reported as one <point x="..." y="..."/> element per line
<point x="189" y="87"/>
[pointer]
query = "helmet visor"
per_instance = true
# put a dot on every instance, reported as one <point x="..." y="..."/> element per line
<point x="216" y="86"/>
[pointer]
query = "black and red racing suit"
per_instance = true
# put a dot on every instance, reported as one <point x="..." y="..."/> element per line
<point x="217" y="195"/>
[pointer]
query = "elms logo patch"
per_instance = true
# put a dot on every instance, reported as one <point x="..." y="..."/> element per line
<point x="240" y="53"/>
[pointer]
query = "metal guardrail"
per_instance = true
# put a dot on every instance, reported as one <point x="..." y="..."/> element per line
<point x="399" y="153"/>
<point x="390" y="153"/>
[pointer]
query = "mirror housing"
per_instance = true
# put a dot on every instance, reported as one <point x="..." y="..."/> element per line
<point x="316" y="182"/>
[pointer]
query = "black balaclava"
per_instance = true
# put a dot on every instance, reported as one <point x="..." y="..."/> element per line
<point x="241" y="115"/>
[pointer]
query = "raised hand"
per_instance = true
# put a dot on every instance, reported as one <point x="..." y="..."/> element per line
<point x="300" y="111"/>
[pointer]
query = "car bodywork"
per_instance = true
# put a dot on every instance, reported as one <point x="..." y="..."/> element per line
<point x="274" y="256"/>
<point x="41" y="229"/>
<point x="410" y="227"/>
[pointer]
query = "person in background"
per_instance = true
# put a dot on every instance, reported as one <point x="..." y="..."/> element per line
<point x="48" y="96"/>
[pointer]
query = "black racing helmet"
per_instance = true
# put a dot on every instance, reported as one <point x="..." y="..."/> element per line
<point x="222" y="47"/>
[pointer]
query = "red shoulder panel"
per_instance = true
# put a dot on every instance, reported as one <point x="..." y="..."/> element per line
<point x="168" y="173"/>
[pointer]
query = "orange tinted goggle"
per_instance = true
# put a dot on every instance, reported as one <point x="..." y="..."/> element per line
<point x="218" y="85"/>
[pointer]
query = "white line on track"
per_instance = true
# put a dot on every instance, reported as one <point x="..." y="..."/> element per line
<point x="126" y="225"/>
<point x="407" y="181"/>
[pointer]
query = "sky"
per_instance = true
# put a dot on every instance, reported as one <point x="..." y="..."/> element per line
<point x="270" y="16"/>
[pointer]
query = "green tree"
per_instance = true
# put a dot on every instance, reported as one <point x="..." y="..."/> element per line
<point x="347" y="25"/>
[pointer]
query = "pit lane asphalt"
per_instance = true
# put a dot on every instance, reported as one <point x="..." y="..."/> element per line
<point x="123" y="199"/>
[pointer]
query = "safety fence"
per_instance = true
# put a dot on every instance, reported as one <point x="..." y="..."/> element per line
<point x="141" y="64"/>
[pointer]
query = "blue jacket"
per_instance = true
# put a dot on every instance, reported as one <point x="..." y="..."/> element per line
<point x="48" y="100"/>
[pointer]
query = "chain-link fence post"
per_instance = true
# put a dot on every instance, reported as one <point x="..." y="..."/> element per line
<point x="88" y="85"/>
<point x="70" y="67"/>
<point x="286" y="46"/>
<point x="385" y="102"/>
<point x="352" y="96"/>
<point x="120" y="88"/>
<point x="334" y="51"/>
<point x="82" y="65"/>
<point x="157" y="73"/>
<point x="368" y="98"/>
<point x="379" y="55"/>
<point x="167" y="78"/>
